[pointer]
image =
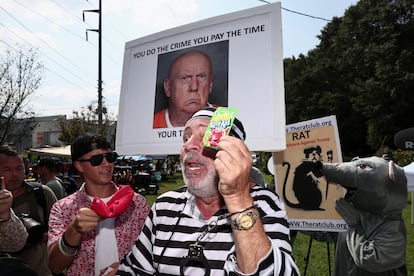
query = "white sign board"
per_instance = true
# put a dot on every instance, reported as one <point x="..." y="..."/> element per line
<point x="309" y="199"/>
<point x="246" y="52"/>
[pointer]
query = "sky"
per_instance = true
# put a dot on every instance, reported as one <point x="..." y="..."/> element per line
<point x="57" y="30"/>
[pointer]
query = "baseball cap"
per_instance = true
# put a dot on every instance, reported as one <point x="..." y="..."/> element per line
<point x="86" y="143"/>
<point x="46" y="162"/>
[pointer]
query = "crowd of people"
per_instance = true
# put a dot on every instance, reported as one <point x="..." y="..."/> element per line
<point x="222" y="222"/>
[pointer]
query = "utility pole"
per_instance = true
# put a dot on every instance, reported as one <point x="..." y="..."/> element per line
<point x="99" y="31"/>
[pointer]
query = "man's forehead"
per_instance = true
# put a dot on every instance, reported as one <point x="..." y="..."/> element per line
<point x="191" y="68"/>
<point x="200" y="120"/>
<point x="7" y="158"/>
<point x="190" y="56"/>
<point x="191" y="61"/>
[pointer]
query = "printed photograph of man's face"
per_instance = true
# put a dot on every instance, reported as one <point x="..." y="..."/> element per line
<point x="188" y="80"/>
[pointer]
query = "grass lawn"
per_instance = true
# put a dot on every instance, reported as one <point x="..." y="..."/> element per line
<point x="318" y="258"/>
<point x="172" y="183"/>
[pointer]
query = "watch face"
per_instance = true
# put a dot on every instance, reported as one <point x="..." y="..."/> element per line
<point x="245" y="221"/>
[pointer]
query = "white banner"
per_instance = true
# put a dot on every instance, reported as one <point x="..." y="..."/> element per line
<point x="245" y="49"/>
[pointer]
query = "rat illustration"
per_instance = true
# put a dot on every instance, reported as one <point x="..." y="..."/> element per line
<point x="305" y="182"/>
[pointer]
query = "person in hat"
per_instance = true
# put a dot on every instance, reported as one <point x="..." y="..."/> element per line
<point x="46" y="168"/>
<point x="91" y="229"/>
<point x="217" y="224"/>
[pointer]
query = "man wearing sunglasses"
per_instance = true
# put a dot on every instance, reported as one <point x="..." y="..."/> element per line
<point x="101" y="219"/>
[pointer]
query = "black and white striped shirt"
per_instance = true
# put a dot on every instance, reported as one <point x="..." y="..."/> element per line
<point x="175" y="222"/>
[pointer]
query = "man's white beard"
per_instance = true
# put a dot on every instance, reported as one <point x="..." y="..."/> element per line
<point x="208" y="186"/>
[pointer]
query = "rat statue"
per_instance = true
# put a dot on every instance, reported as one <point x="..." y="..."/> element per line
<point x="376" y="194"/>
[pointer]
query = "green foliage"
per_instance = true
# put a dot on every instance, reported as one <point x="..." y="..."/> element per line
<point x="403" y="157"/>
<point x="361" y="72"/>
<point x="407" y="213"/>
<point x="84" y="121"/>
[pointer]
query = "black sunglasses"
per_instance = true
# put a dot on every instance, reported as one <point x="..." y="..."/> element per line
<point x="97" y="159"/>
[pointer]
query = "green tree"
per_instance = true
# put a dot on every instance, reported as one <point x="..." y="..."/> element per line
<point x="361" y="72"/>
<point x="84" y="121"/>
<point x="21" y="73"/>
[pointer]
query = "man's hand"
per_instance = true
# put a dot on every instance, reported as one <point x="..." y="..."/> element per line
<point x="233" y="164"/>
<point x="110" y="270"/>
<point x="86" y="220"/>
<point x="6" y="201"/>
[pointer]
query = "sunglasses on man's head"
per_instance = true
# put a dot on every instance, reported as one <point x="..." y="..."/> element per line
<point x="97" y="159"/>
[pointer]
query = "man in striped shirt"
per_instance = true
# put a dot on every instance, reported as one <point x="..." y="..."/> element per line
<point x="217" y="224"/>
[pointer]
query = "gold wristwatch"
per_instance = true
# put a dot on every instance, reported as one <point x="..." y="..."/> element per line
<point x="245" y="220"/>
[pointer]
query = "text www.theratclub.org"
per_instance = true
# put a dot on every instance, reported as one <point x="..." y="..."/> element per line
<point x="317" y="225"/>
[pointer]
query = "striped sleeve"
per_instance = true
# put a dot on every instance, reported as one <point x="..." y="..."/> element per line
<point x="280" y="260"/>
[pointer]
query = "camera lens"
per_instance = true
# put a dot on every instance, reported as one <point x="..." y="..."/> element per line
<point x="34" y="228"/>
